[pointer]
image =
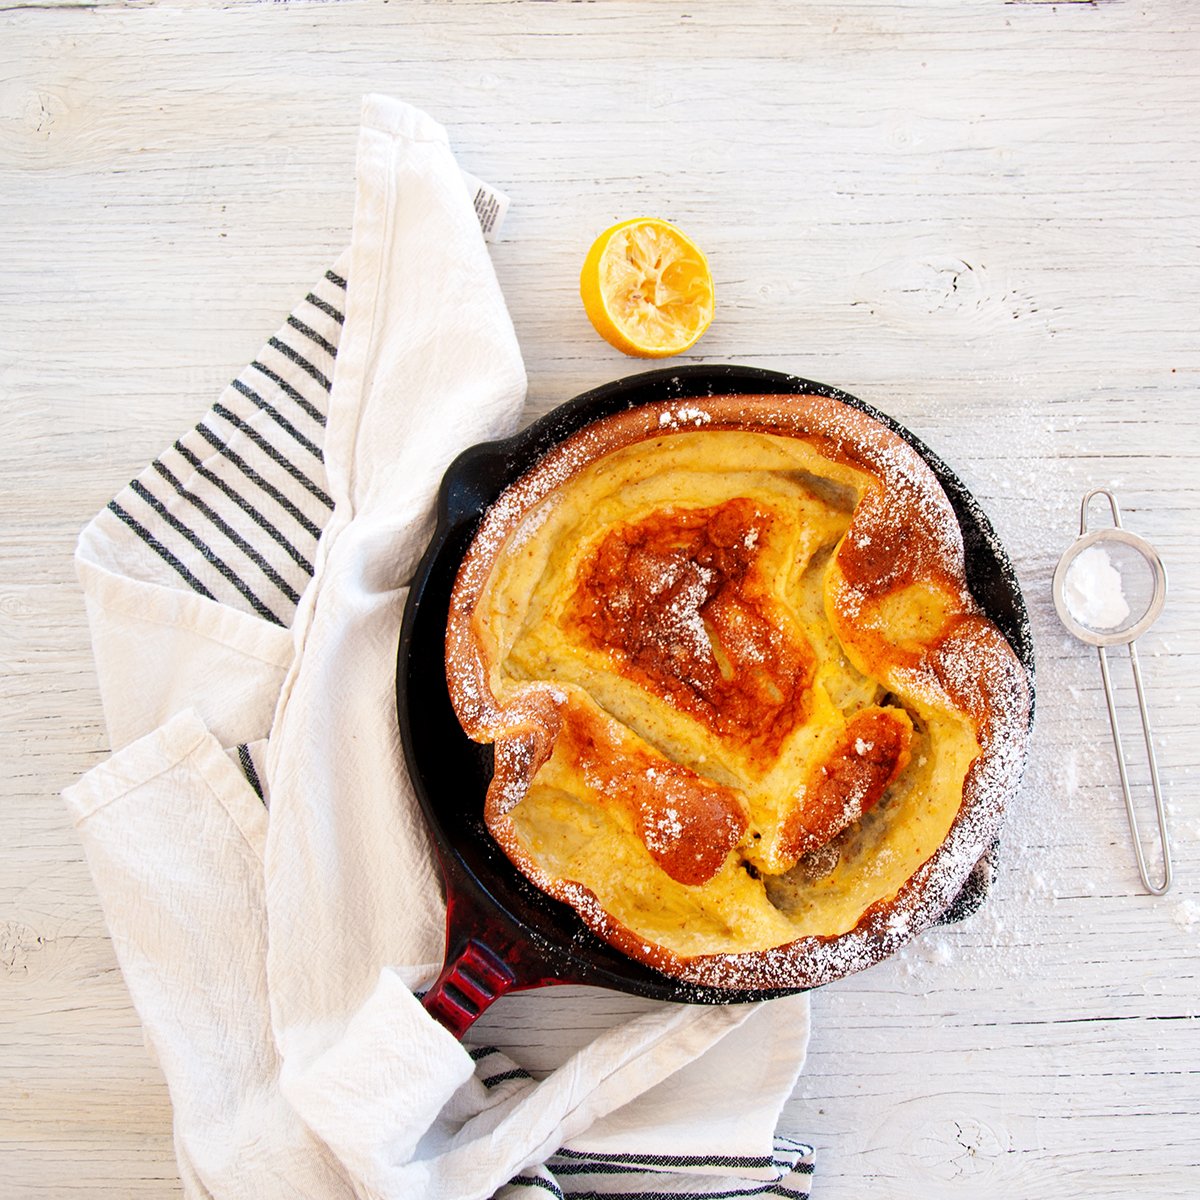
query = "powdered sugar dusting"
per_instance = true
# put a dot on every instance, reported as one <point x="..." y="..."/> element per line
<point x="662" y="828"/>
<point x="683" y="416"/>
<point x="910" y="516"/>
<point x="681" y="614"/>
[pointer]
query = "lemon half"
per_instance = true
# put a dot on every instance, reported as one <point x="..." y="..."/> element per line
<point x="647" y="289"/>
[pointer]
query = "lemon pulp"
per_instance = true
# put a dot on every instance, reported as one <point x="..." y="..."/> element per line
<point x="647" y="288"/>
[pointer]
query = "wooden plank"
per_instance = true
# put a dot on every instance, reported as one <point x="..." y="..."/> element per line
<point x="980" y="217"/>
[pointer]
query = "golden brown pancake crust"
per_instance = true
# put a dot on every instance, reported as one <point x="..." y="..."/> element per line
<point x="674" y="602"/>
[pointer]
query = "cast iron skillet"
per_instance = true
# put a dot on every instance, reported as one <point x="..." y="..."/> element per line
<point x="502" y="933"/>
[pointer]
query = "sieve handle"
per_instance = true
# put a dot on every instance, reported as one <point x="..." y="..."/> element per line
<point x="1112" y="504"/>
<point x="1155" y="889"/>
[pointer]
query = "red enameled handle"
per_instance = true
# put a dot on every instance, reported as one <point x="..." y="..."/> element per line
<point x="469" y="982"/>
<point x="487" y="955"/>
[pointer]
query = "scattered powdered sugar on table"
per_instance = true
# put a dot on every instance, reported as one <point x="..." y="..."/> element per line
<point x="1054" y="850"/>
<point x="1187" y="914"/>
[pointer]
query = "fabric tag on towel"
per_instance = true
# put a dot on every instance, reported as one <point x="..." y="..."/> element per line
<point x="490" y="204"/>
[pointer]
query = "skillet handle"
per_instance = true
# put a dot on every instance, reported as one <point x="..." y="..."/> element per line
<point x="473" y="976"/>
<point x="487" y="956"/>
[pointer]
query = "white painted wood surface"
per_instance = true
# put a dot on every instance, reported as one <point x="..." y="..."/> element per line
<point x="982" y="217"/>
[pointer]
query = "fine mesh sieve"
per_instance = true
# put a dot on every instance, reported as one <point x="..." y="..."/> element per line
<point x="1109" y="588"/>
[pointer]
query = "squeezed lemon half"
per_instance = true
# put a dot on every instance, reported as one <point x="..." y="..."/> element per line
<point x="646" y="288"/>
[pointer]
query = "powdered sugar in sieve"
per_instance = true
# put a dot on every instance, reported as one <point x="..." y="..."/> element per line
<point x="1109" y="588"/>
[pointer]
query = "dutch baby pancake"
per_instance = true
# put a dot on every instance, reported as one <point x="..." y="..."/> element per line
<point x="747" y="718"/>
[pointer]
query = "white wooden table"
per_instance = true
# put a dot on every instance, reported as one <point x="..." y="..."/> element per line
<point x="982" y="217"/>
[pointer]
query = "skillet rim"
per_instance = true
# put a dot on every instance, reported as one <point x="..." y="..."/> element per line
<point x="555" y="946"/>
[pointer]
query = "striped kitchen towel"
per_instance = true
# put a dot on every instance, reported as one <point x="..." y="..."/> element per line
<point x="787" y="1170"/>
<point x="233" y="511"/>
<point x="269" y="890"/>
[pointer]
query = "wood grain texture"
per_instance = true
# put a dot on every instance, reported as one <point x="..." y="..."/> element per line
<point x="981" y="217"/>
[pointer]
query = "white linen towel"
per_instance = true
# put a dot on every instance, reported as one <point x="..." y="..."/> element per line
<point x="245" y="595"/>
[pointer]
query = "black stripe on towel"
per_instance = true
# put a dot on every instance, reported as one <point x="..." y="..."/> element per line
<point x="267" y="486"/>
<point x="300" y="361"/>
<point x="609" y="1168"/>
<point x="274" y="534"/>
<point x="756" y="1162"/>
<point x="613" y="1168"/>
<point x="336" y="280"/>
<point x="248" y="769"/>
<point x="789" y="1146"/>
<point x="246" y="390"/>
<point x="532" y="1181"/>
<point x="261" y="442"/>
<point x="802" y="1168"/>
<point x="220" y="566"/>
<point x="760" y="1189"/>
<point x="159" y="549"/>
<point x="504" y="1076"/>
<point x="313" y="336"/>
<point x="326" y="308"/>
<point x="285" y="387"/>
<point x="596" y="1167"/>
<point x="228" y="530"/>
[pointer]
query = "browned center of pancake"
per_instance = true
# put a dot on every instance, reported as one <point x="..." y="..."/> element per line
<point x="689" y="824"/>
<point x="676" y="603"/>
<point x="851" y="779"/>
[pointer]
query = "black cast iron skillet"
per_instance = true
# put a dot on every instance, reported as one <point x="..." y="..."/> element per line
<point x="502" y="933"/>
